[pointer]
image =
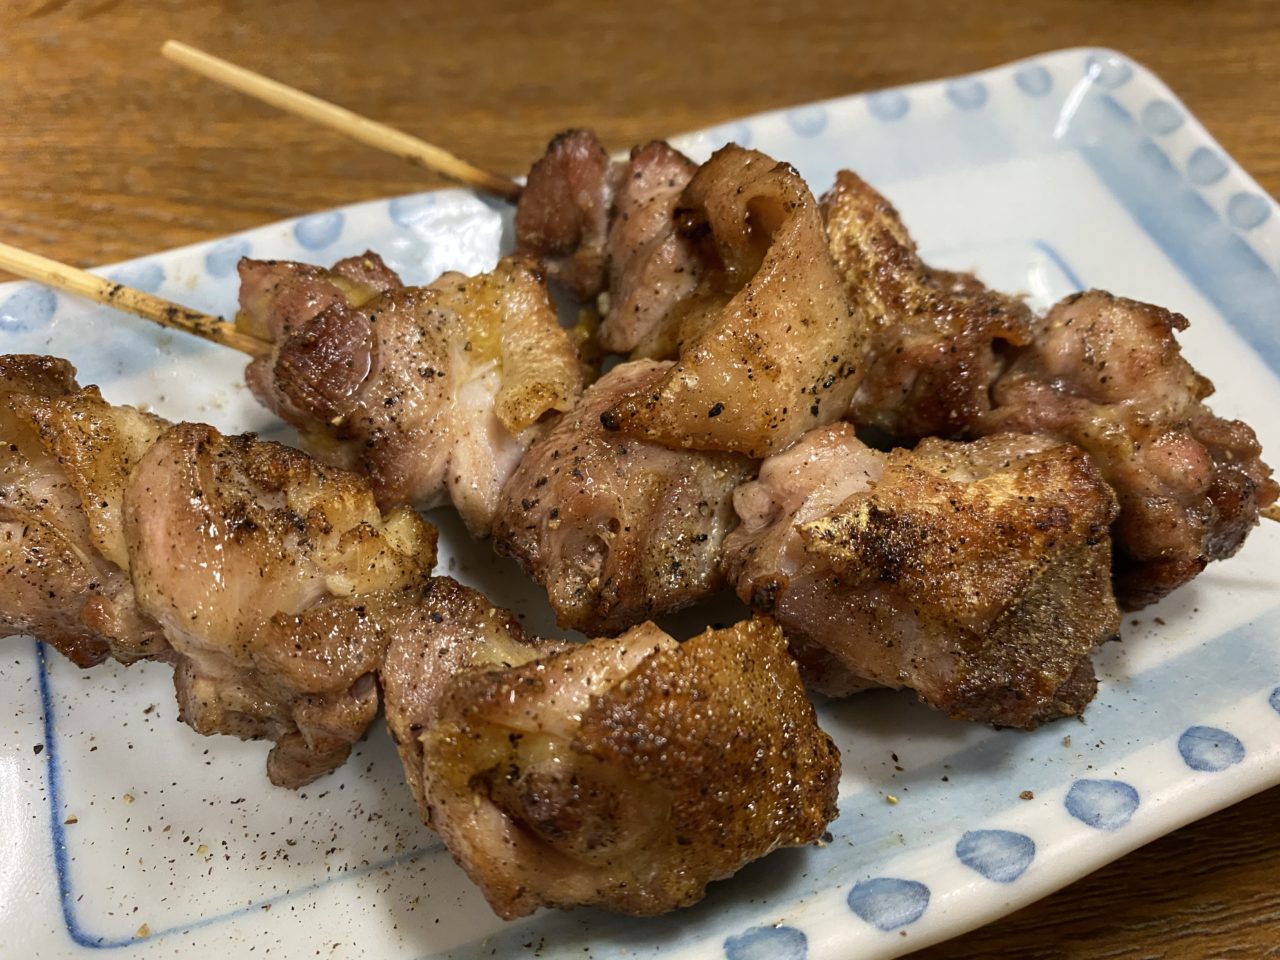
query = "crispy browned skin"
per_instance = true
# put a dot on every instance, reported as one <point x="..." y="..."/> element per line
<point x="437" y="632"/>
<point x="428" y="391"/>
<point x="768" y="346"/>
<point x="653" y="266"/>
<point x="625" y="774"/>
<point x="1106" y="374"/>
<point x="976" y="574"/>
<point x="615" y="529"/>
<point x="65" y="458"/>
<point x="938" y="340"/>
<point x="270" y="575"/>
<point x="562" y="219"/>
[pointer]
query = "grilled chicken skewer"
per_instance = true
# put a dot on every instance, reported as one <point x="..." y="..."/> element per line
<point x="565" y="775"/>
<point x="558" y="775"/>
<point x="261" y="575"/>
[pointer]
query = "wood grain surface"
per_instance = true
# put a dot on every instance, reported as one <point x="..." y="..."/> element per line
<point x="107" y="152"/>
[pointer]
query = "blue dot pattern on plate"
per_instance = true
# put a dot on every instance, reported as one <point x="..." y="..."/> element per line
<point x="1275" y="700"/>
<point x="1247" y="210"/>
<point x="999" y="855"/>
<point x="223" y="256"/>
<point x="967" y="94"/>
<point x="146" y="276"/>
<point x="1108" y="70"/>
<point x="1209" y="750"/>
<point x="1205" y="167"/>
<point x="1102" y="804"/>
<point x="767" y="943"/>
<point x="1161" y="117"/>
<point x="1034" y="81"/>
<point x="807" y="121"/>
<point x="320" y="230"/>
<point x="889" y="105"/>
<point x="888" y="902"/>
<point x="406" y="211"/>
<point x="27" y="309"/>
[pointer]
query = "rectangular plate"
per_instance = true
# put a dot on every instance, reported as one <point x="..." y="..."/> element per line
<point x="1075" y="169"/>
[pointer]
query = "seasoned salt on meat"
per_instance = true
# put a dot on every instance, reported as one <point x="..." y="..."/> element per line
<point x="617" y="530"/>
<point x="768" y="345"/>
<point x="270" y="575"/>
<point x="653" y="266"/>
<point x="562" y="218"/>
<point x="938" y="340"/>
<point x="430" y="392"/>
<point x="976" y="574"/>
<point x="1106" y="374"/>
<point x="440" y="631"/>
<point x="65" y="456"/>
<point x="625" y="774"/>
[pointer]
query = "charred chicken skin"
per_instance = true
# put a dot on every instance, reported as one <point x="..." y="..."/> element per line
<point x="1106" y="374"/>
<point x="976" y="574"/>
<point x="578" y="777"/>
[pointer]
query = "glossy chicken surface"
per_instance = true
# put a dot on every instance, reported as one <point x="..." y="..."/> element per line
<point x="269" y="574"/>
<point x="976" y="574"/>
<point x="579" y="777"/>
<point x="65" y="457"/>
<point x="617" y="530"/>
<point x="1107" y="374"/>
<point x="767" y="346"/>
<point x="938" y="340"/>
<point x="431" y="392"/>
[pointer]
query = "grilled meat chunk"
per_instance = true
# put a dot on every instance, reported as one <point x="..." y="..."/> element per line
<point x="653" y="267"/>
<point x="562" y="219"/>
<point x="767" y="345"/>
<point x="65" y="457"/>
<point x="427" y="391"/>
<point x="269" y="574"/>
<point x="1106" y="374"/>
<point x="441" y="631"/>
<point x="615" y="529"/>
<point x="938" y="340"/>
<point x="976" y="574"/>
<point x="579" y="777"/>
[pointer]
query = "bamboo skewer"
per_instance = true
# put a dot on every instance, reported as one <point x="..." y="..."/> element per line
<point x="60" y="276"/>
<point x="344" y="121"/>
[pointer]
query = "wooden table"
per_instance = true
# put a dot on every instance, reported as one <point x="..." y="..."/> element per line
<point x="107" y="152"/>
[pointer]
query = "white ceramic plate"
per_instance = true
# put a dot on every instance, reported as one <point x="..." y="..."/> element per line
<point x="121" y="829"/>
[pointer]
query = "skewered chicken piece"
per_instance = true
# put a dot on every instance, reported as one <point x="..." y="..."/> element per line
<point x="615" y="529"/>
<point x="1107" y="374"/>
<point x="267" y="574"/>
<point x="427" y="391"/>
<point x="579" y="776"/>
<point x="978" y="574"/>
<point x="723" y="269"/>
<point x="938" y="339"/>
<point x="767" y="346"/>
<point x="598" y="225"/>
<point x="65" y="456"/>
<point x="1097" y="371"/>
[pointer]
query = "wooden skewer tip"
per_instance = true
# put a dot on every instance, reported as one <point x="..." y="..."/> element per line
<point x="166" y="313"/>
<point x="341" y="120"/>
